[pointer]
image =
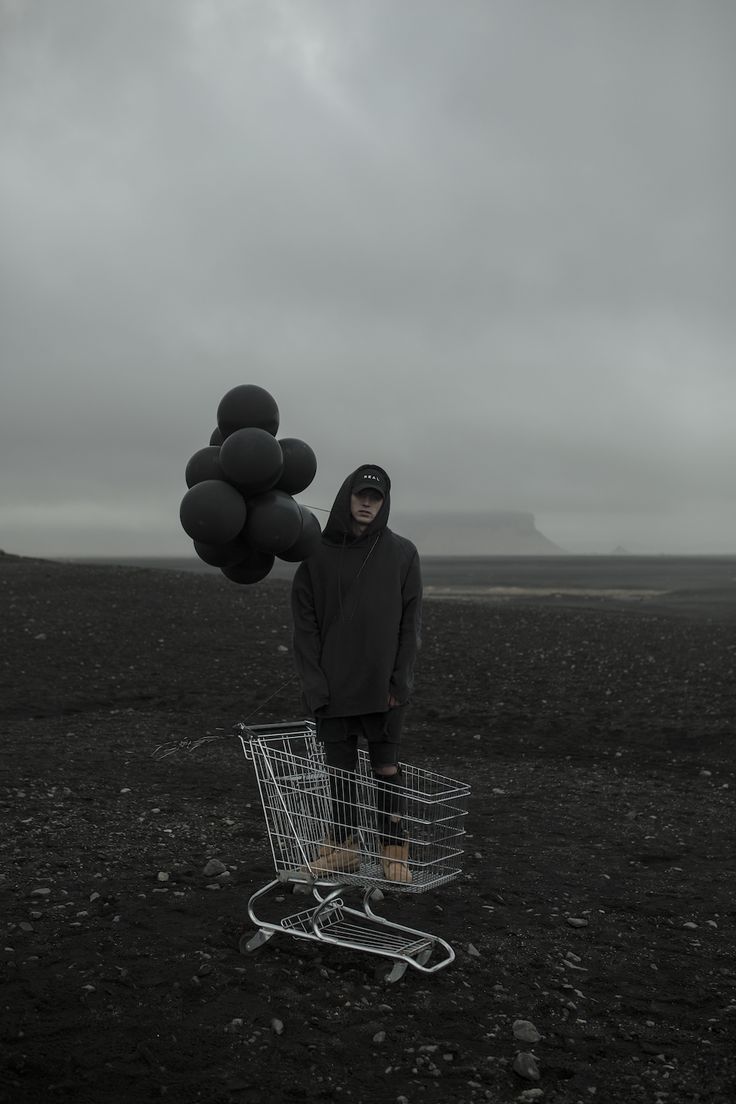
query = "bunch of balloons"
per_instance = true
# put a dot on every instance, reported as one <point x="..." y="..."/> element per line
<point x="239" y="509"/>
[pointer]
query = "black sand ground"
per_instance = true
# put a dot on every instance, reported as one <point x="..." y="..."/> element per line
<point x="599" y="743"/>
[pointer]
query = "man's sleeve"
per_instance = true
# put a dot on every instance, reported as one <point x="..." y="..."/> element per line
<point x="308" y="641"/>
<point x="402" y="679"/>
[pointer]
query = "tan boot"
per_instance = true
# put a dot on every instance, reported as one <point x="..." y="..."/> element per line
<point x="336" y="858"/>
<point x="395" y="859"/>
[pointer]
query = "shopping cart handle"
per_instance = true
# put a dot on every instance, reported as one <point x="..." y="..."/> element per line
<point x="245" y="735"/>
<point x="241" y="728"/>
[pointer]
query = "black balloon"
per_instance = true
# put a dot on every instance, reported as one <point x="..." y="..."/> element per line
<point x="212" y="512"/>
<point x="300" y="465"/>
<point x="274" y="522"/>
<point x="255" y="567"/>
<point x="216" y="438"/>
<point x="204" y="465"/>
<point x="222" y="555"/>
<point x="308" y="541"/>
<point x="252" y="459"/>
<point x="247" y="407"/>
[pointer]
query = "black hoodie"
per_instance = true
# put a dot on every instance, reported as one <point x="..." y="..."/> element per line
<point x="356" y="605"/>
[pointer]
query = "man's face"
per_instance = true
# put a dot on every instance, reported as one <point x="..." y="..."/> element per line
<point x="364" y="505"/>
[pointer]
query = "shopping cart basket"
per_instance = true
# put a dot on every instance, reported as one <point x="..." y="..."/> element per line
<point x="310" y="809"/>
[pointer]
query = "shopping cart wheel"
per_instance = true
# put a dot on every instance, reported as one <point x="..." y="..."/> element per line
<point x="396" y="973"/>
<point x="249" y="944"/>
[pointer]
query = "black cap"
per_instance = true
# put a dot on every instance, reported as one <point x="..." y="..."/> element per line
<point x="370" y="477"/>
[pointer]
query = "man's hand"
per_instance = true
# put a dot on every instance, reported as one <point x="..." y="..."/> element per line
<point x="393" y="702"/>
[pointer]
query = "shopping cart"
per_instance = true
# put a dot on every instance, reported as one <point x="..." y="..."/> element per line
<point x="310" y="808"/>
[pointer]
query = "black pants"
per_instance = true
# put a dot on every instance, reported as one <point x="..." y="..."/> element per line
<point x="340" y="736"/>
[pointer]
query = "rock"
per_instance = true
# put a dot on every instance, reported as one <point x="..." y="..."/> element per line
<point x="379" y="1037"/>
<point x="277" y="1027"/>
<point x="40" y="893"/>
<point x="525" y="1031"/>
<point x="525" y="1064"/>
<point x="225" y="876"/>
<point x="577" y="922"/>
<point x="473" y="951"/>
<point x="25" y="926"/>
<point x="530" y="1094"/>
<point x="162" y="876"/>
<point x="690" y="925"/>
<point x="214" y="866"/>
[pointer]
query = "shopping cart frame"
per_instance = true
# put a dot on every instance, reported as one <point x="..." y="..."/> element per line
<point x="294" y="789"/>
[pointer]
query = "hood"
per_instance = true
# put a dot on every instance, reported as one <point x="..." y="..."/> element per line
<point x="339" y="524"/>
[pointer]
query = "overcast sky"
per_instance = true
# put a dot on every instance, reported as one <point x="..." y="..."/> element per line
<point x="489" y="245"/>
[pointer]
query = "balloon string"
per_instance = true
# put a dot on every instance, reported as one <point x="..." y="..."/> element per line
<point x="320" y="509"/>
<point x="274" y="695"/>
<point x="163" y="750"/>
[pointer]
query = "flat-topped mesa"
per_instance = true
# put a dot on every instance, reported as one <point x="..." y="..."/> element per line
<point x="491" y="533"/>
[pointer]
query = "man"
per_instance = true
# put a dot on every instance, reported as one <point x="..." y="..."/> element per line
<point x="356" y="605"/>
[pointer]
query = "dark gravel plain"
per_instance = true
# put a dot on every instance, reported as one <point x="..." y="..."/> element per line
<point x="599" y="740"/>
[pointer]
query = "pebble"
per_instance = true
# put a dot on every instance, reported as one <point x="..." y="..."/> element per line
<point x="525" y="1031"/>
<point x="225" y="876"/>
<point x="41" y="893"/>
<point x="25" y="926"/>
<point x="162" y="876"/>
<point x="530" y="1094"/>
<point x="214" y="866"/>
<point x="689" y="924"/>
<point x="379" y="1037"/>
<point x="525" y="1065"/>
<point x="277" y="1027"/>
<point x="473" y="951"/>
<point x="212" y="885"/>
<point x="577" y="922"/>
<point x="282" y="648"/>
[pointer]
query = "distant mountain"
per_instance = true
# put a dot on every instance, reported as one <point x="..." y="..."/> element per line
<point x="492" y="533"/>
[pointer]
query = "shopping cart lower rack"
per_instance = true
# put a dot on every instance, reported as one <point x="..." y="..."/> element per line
<point x="330" y="832"/>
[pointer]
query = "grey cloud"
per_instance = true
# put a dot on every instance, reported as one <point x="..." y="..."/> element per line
<point x="493" y="243"/>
